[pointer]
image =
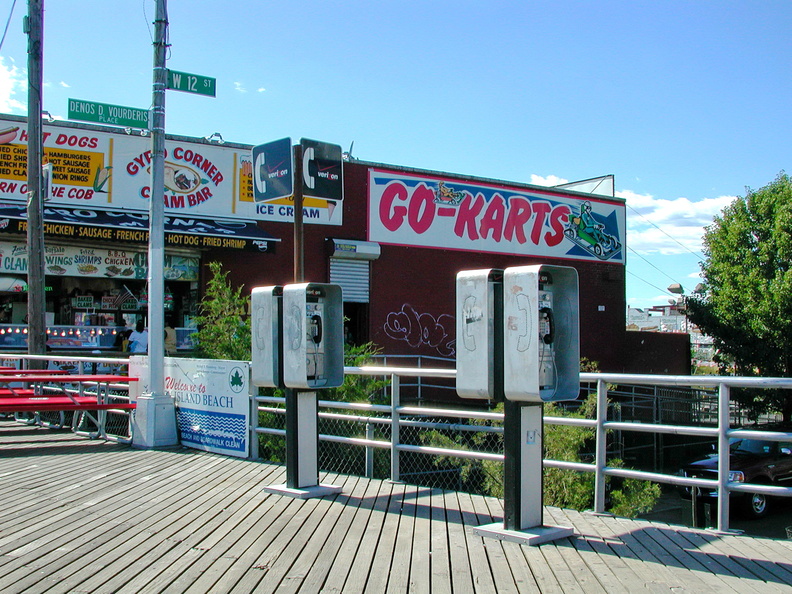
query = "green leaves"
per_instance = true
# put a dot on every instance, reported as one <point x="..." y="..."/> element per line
<point x="746" y="305"/>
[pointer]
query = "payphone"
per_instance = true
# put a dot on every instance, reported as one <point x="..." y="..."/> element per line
<point x="541" y="333"/>
<point x="266" y="352"/>
<point x="313" y="351"/>
<point x="479" y="332"/>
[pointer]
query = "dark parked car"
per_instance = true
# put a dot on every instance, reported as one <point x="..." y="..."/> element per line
<point x="750" y="461"/>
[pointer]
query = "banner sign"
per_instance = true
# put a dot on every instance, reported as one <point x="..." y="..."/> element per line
<point x="212" y="400"/>
<point x="132" y="227"/>
<point x="95" y="262"/>
<point x="444" y="213"/>
<point x="112" y="169"/>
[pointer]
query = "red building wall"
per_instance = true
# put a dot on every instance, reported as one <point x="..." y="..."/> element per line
<point x="411" y="309"/>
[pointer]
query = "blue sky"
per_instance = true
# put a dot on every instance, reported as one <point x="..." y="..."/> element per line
<point x="686" y="103"/>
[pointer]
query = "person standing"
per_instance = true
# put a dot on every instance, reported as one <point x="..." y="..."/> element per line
<point x="170" y="339"/>
<point x="138" y="340"/>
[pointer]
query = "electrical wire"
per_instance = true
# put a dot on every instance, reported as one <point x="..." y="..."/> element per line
<point x="8" y="22"/>
<point x="652" y="265"/>
<point x="698" y="255"/>
<point x="643" y="280"/>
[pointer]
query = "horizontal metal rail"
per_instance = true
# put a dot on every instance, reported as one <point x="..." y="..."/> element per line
<point x="397" y="416"/>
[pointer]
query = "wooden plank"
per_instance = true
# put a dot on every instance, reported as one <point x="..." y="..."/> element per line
<point x="315" y="559"/>
<point x="381" y="565"/>
<point x="94" y="548"/>
<point x="468" y="563"/>
<point x="420" y="566"/>
<point x="339" y="571"/>
<point x="278" y="558"/>
<point x="399" y="576"/>
<point x="501" y="572"/>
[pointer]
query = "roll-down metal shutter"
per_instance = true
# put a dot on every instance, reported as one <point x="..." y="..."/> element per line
<point x="353" y="276"/>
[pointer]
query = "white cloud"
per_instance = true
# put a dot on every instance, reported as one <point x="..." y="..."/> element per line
<point x="261" y="90"/>
<point x="65" y="85"/>
<point x="238" y="86"/>
<point x="13" y="81"/>
<point x="669" y="226"/>
<point x="550" y="180"/>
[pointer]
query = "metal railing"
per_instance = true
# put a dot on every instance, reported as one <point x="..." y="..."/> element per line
<point x="117" y="423"/>
<point x="397" y="419"/>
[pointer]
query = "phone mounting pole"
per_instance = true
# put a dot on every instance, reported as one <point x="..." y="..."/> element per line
<point x="298" y="346"/>
<point x="517" y="343"/>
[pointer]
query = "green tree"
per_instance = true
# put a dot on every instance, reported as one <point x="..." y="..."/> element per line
<point x="745" y="300"/>
<point x="223" y="320"/>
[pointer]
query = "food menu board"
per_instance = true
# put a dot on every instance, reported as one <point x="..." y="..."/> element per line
<point x="95" y="262"/>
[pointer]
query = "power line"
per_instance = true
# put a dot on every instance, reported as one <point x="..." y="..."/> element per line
<point x="8" y="22"/>
<point x="652" y="265"/>
<point x="648" y="283"/>
<point x="699" y="256"/>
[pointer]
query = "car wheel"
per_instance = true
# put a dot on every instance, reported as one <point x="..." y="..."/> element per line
<point x="756" y="506"/>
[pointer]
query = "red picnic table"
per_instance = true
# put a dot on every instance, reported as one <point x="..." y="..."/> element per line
<point x="56" y="392"/>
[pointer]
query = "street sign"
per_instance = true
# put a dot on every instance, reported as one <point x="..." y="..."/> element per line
<point x="273" y="170"/>
<point x="191" y="83"/>
<point x="104" y="113"/>
<point x="322" y="169"/>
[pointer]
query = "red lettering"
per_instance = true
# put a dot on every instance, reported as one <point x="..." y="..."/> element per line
<point x="558" y="220"/>
<point x="421" y="210"/>
<point x="392" y="216"/>
<point x="540" y="209"/>
<point x="493" y="218"/>
<point x="469" y="209"/>
<point x="519" y="215"/>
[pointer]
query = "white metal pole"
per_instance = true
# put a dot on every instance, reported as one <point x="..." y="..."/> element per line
<point x="156" y="255"/>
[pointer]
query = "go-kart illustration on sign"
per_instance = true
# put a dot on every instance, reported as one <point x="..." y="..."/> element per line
<point x="322" y="181"/>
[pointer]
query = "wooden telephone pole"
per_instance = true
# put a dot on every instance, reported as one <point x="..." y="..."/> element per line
<point x="37" y="330"/>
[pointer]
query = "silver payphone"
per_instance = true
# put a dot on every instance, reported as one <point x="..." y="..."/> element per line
<point x="313" y="350"/>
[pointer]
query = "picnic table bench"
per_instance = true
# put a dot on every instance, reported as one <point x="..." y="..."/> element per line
<point x="46" y="392"/>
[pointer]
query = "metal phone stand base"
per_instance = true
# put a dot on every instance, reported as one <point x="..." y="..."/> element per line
<point x="522" y="479"/>
<point x="529" y="536"/>
<point x="302" y="444"/>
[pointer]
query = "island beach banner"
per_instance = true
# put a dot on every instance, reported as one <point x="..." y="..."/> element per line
<point x="212" y="399"/>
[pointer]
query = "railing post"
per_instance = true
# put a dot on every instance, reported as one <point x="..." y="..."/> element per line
<point x="369" y="452"/>
<point x="723" y="457"/>
<point x="395" y="404"/>
<point x="601" y="447"/>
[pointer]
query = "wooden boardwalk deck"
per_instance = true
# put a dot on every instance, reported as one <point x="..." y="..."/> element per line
<point x="91" y="516"/>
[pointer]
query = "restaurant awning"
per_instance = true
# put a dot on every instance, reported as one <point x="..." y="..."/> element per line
<point x="132" y="227"/>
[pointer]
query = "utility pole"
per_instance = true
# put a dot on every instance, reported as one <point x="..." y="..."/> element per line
<point x="155" y="416"/>
<point x="37" y="331"/>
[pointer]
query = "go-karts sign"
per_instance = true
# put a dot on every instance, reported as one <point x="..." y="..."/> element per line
<point x="416" y="210"/>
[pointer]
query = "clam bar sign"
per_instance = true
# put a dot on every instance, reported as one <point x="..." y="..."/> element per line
<point x="445" y="213"/>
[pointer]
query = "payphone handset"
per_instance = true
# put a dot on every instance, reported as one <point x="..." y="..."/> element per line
<point x="265" y="306"/>
<point x="541" y="334"/>
<point x="547" y="365"/>
<point x="313" y="345"/>
<point x="314" y="350"/>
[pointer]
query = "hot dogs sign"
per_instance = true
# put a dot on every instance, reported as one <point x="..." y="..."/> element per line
<point x="95" y="169"/>
<point x="453" y="214"/>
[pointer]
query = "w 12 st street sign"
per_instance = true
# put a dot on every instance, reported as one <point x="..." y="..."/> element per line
<point x="191" y="83"/>
<point x="273" y="170"/>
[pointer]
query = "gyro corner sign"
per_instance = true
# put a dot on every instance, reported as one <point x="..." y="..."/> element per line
<point x="105" y="113"/>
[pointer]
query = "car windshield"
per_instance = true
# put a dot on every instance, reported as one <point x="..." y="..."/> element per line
<point x="750" y="446"/>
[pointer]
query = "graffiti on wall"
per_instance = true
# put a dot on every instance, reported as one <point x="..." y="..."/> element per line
<point x="422" y="329"/>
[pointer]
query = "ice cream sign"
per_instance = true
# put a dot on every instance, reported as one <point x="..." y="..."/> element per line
<point x="450" y="214"/>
